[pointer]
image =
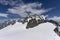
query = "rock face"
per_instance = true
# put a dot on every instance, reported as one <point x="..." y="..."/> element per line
<point x="32" y="23"/>
<point x="57" y="30"/>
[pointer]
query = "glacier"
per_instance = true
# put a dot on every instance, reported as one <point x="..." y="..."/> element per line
<point x="18" y="31"/>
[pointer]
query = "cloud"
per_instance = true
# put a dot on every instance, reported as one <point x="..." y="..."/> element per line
<point x="56" y="18"/>
<point x="3" y="15"/>
<point x="22" y="9"/>
<point x="10" y="2"/>
<point x="32" y="8"/>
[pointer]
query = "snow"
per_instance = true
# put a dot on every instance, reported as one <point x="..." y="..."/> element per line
<point x="19" y="32"/>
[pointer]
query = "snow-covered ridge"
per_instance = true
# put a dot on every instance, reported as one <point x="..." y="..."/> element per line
<point x="23" y="20"/>
<point x="44" y="31"/>
<point x="16" y="29"/>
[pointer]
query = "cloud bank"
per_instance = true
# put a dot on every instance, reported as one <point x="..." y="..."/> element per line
<point x="3" y="15"/>
<point x="32" y="8"/>
<point x="11" y="2"/>
<point x="56" y="18"/>
<point x="20" y="8"/>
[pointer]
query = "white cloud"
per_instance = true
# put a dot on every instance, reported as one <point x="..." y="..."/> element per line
<point x="10" y="2"/>
<point x="20" y="8"/>
<point x="30" y="7"/>
<point x="56" y="18"/>
<point x="3" y="15"/>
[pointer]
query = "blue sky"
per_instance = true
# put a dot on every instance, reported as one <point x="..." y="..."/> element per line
<point x="7" y="5"/>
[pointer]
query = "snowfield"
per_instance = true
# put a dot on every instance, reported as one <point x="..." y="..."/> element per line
<point x="19" y="32"/>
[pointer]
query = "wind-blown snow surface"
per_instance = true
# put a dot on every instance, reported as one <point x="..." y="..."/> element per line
<point x="18" y="32"/>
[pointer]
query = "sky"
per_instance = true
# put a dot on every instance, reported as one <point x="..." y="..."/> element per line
<point x="11" y="9"/>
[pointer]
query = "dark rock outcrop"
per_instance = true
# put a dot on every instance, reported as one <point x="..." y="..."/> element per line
<point x="32" y="23"/>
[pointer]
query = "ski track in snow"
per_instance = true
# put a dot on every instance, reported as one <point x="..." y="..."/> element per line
<point x="18" y="32"/>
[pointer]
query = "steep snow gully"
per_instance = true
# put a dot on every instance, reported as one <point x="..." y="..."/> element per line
<point x="44" y="31"/>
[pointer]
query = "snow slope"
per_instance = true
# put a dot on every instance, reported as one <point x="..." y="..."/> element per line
<point x="18" y="32"/>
